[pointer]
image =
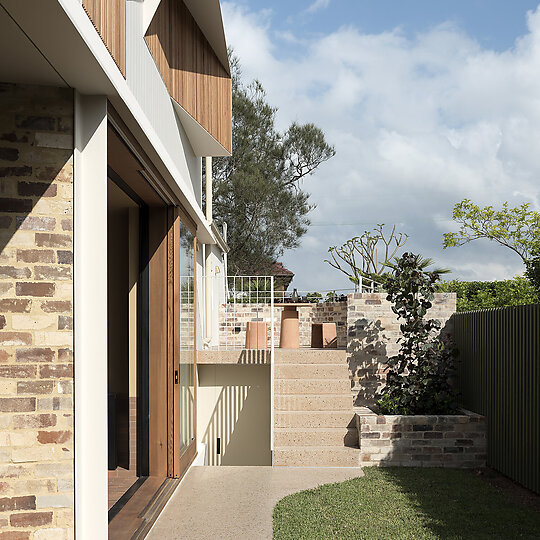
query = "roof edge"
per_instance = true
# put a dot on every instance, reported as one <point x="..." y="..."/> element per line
<point x="207" y="14"/>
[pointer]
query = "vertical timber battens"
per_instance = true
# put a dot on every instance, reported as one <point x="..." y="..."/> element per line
<point x="109" y="19"/>
<point x="192" y="72"/>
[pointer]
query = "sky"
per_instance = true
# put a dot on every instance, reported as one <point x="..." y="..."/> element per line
<point x="426" y="102"/>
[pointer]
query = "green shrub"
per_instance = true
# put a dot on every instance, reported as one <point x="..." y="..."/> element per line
<point x="418" y="377"/>
<point x="474" y="295"/>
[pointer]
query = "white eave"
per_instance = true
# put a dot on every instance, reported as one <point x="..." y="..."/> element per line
<point x="207" y="14"/>
<point x="202" y="142"/>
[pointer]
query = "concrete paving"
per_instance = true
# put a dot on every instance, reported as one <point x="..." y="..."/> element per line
<point x="236" y="502"/>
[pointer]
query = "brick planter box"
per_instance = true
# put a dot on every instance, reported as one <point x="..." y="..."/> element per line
<point x="457" y="441"/>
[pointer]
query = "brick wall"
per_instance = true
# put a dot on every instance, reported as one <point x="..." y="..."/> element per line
<point x="233" y="319"/>
<point x="422" y="441"/>
<point x="36" y="341"/>
<point x="373" y="331"/>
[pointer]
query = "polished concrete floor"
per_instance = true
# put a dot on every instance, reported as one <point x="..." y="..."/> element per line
<point x="236" y="502"/>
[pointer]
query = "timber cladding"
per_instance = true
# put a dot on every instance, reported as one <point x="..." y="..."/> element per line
<point x="192" y="72"/>
<point x="109" y="18"/>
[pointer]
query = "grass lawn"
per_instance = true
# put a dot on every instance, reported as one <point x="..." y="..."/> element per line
<point x="405" y="503"/>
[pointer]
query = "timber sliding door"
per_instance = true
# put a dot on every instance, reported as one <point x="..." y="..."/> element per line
<point x="164" y="335"/>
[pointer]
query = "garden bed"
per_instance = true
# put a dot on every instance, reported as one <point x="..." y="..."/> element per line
<point x="457" y="441"/>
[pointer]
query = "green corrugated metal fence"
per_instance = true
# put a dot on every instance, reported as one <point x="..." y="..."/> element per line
<point x="499" y="377"/>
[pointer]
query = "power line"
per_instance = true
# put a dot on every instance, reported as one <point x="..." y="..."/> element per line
<point x="371" y="223"/>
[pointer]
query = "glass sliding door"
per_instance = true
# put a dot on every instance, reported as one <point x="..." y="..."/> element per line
<point x="186" y="368"/>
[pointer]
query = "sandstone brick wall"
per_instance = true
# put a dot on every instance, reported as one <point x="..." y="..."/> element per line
<point x="422" y="441"/>
<point x="36" y="313"/>
<point x="233" y="319"/>
<point x="373" y="330"/>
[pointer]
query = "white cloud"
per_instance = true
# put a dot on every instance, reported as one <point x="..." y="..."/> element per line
<point x="318" y="5"/>
<point x="418" y="124"/>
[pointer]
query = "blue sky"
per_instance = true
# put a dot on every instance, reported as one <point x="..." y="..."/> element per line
<point x="426" y="102"/>
<point x="494" y="23"/>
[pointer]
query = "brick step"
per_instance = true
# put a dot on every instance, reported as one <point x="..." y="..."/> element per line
<point x="315" y="437"/>
<point x="311" y="371"/>
<point x="309" y="419"/>
<point x="312" y="386"/>
<point x="312" y="456"/>
<point x="327" y="402"/>
<point x="310" y="356"/>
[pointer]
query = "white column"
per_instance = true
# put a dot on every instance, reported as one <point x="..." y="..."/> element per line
<point x="90" y="311"/>
<point x="208" y="174"/>
<point x="208" y="283"/>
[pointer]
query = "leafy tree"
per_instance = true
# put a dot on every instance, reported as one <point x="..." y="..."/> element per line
<point x="473" y="295"/>
<point x="533" y="273"/>
<point x="257" y="190"/>
<point x="367" y="255"/>
<point x="418" y="377"/>
<point x="517" y="229"/>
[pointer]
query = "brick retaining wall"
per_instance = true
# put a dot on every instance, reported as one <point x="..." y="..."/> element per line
<point x="233" y="319"/>
<point x="457" y="441"/>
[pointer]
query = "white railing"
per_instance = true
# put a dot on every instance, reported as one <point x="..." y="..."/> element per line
<point x="245" y="299"/>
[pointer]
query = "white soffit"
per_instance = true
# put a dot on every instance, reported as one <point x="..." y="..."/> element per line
<point x="202" y="142"/>
<point x="21" y="62"/>
<point x="207" y="14"/>
<point x="149" y="10"/>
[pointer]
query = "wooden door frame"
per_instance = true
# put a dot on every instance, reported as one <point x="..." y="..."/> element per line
<point x="178" y="464"/>
<point x="159" y="330"/>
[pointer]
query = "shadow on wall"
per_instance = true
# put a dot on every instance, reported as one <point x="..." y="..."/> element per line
<point x="179" y="14"/>
<point x="367" y="352"/>
<point x="234" y="406"/>
<point x="370" y="344"/>
<point x="36" y="144"/>
<point x="255" y="357"/>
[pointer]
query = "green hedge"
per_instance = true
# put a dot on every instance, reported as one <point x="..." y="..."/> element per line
<point x="474" y="295"/>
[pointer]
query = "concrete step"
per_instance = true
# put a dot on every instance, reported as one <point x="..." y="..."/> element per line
<point x="313" y="403"/>
<point x="311" y="371"/>
<point x="312" y="456"/>
<point x="315" y="437"/>
<point x="241" y="357"/>
<point x="312" y="386"/>
<point x="310" y="356"/>
<point x="308" y="419"/>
